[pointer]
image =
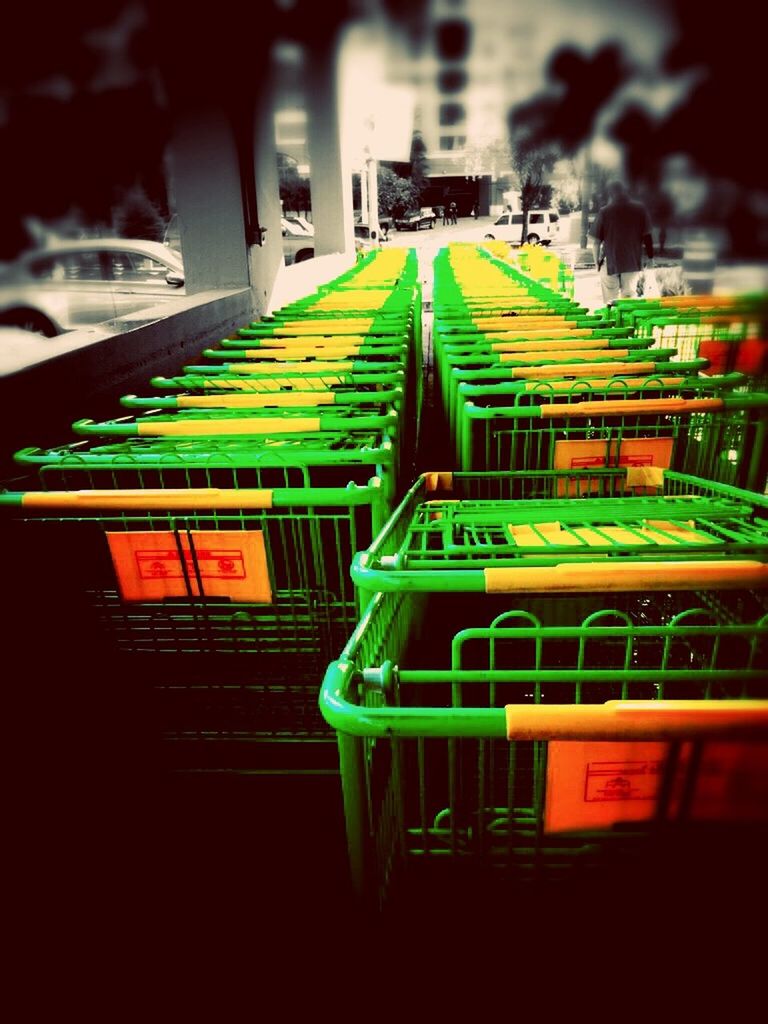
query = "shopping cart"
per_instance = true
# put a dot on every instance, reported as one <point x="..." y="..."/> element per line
<point x="722" y="438"/>
<point x="610" y="620"/>
<point x="523" y="532"/>
<point x="509" y="752"/>
<point x="286" y="381"/>
<point x="224" y="605"/>
<point x="297" y="460"/>
<point x="560" y="366"/>
<point x="680" y="382"/>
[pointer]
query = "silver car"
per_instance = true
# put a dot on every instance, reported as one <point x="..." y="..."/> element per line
<point x="298" y="243"/>
<point x="74" y="284"/>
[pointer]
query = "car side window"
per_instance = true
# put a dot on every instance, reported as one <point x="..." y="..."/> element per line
<point x="517" y="218"/>
<point x="47" y="269"/>
<point x="536" y="218"/>
<point x="503" y="219"/>
<point x="74" y="266"/>
<point x="554" y="218"/>
<point x="135" y="267"/>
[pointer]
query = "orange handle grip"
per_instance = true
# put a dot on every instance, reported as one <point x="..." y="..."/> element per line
<point x="638" y="720"/>
<point x="642" y="405"/>
<point x="622" y="576"/>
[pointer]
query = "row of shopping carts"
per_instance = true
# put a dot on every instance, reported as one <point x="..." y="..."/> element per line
<point x="537" y="264"/>
<point x="562" y="667"/>
<point x="205" y="536"/>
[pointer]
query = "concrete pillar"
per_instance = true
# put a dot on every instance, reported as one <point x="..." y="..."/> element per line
<point x="372" y="168"/>
<point x="331" y="181"/>
<point x="206" y="171"/>
<point x="266" y="260"/>
<point x="364" y="193"/>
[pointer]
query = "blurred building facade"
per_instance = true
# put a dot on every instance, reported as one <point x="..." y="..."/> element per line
<point x="478" y="58"/>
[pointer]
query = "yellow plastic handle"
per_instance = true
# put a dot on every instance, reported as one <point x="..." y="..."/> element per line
<point x="533" y="354"/>
<point x="275" y="398"/>
<point x="555" y="344"/>
<point x="638" y="720"/>
<point x="205" y="428"/>
<point x="642" y="405"/>
<point x="300" y="352"/>
<point x="316" y="340"/>
<point x="354" y="325"/>
<point x="514" y="323"/>
<point x="622" y="576"/>
<point x="152" y="498"/>
<point x="576" y="369"/>
<point x="276" y="368"/>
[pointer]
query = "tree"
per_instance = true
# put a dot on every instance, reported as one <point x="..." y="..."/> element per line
<point x="419" y="166"/>
<point x="492" y="157"/>
<point x="136" y="216"/>
<point x="294" y="189"/>
<point x="531" y="166"/>
<point x="396" y="194"/>
<point x="563" y="116"/>
<point x="532" y="161"/>
<point x="416" y="169"/>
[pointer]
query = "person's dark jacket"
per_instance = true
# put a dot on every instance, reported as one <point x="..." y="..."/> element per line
<point x="624" y="228"/>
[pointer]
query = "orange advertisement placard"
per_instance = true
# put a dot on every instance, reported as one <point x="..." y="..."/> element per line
<point x="731" y="783"/>
<point x="228" y="563"/>
<point x="596" y="784"/>
<point x="632" y="453"/>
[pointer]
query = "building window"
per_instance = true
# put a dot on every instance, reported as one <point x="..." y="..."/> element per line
<point x="451" y="114"/>
<point x="452" y="142"/>
<point x="452" y="39"/>
<point x="451" y="81"/>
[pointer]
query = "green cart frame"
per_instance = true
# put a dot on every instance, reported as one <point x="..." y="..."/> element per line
<point x="508" y="532"/>
<point x="224" y="605"/>
<point x="721" y="438"/>
<point x="444" y="748"/>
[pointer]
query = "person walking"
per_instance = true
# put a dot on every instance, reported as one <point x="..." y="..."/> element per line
<point x="621" y="232"/>
<point x="454" y="213"/>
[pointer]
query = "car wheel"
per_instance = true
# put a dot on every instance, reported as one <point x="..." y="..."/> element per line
<point x="431" y="224"/>
<point x="492" y="237"/>
<point x="303" y="255"/>
<point x="30" y="320"/>
<point x="534" y="238"/>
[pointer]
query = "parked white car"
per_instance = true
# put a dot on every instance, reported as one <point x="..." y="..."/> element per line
<point x="77" y="283"/>
<point x="542" y="224"/>
<point x="300" y="223"/>
<point x="298" y="244"/>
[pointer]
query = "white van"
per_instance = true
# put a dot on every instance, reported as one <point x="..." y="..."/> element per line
<point x="543" y="224"/>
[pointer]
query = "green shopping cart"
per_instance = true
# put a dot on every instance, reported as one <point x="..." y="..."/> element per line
<point x="571" y="717"/>
<point x="223" y="605"/>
